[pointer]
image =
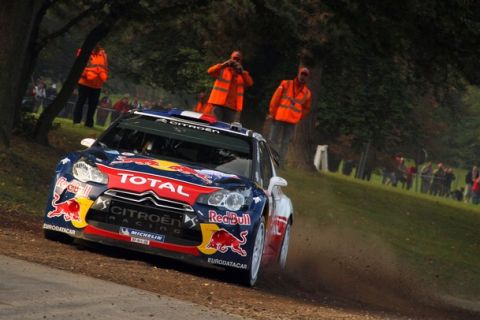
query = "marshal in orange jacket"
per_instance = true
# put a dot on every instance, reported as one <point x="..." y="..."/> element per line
<point x="203" y="107"/>
<point x="290" y="102"/>
<point x="96" y="72"/>
<point x="229" y="87"/>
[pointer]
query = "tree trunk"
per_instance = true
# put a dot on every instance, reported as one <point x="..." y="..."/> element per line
<point x="17" y="22"/>
<point x="30" y="60"/>
<point x="302" y="149"/>
<point x="45" y="121"/>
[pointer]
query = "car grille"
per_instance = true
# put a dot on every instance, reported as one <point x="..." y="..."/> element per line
<point x="149" y="197"/>
<point x="145" y="211"/>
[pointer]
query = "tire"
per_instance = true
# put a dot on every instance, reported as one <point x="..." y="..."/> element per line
<point x="282" y="257"/>
<point x="249" y="277"/>
<point x="57" y="236"/>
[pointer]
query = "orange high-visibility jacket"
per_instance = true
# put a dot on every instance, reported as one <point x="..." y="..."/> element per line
<point x="290" y="102"/>
<point x="203" y="107"/>
<point x="221" y="94"/>
<point x="96" y="72"/>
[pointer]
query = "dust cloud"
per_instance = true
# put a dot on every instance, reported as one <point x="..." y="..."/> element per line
<point x="354" y="266"/>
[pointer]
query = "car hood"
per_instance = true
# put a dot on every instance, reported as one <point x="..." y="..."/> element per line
<point x="189" y="173"/>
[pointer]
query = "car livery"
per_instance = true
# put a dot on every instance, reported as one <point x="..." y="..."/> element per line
<point x="178" y="184"/>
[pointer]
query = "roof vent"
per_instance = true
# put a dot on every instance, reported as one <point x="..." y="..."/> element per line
<point x="236" y="126"/>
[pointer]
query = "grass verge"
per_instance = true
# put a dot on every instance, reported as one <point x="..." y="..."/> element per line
<point x="437" y="238"/>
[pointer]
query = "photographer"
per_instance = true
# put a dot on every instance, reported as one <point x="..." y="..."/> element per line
<point x="228" y="88"/>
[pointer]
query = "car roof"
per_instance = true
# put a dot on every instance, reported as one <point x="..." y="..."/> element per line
<point x="200" y="120"/>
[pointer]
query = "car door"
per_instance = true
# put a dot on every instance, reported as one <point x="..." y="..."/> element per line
<point x="266" y="173"/>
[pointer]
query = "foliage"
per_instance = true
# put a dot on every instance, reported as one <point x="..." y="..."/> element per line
<point x="391" y="73"/>
<point x="387" y="76"/>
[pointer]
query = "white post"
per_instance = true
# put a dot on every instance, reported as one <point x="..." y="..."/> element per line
<point x="320" y="160"/>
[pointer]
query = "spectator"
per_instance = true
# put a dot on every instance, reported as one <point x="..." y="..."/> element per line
<point x="120" y="107"/>
<point x="410" y="172"/>
<point x="40" y="95"/>
<point x="401" y="172"/>
<point x="147" y="105"/>
<point x="449" y="177"/>
<point x="51" y="93"/>
<point x="471" y="175"/>
<point x="104" y="108"/>
<point x="93" y="78"/>
<point x="289" y="104"/>
<point x="202" y="105"/>
<point x="476" y="191"/>
<point x="426" y="177"/>
<point x="386" y="175"/>
<point x="457" y="194"/>
<point x="229" y="86"/>
<point x="135" y="104"/>
<point x="438" y="181"/>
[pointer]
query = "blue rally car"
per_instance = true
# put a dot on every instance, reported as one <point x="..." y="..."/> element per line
<point x="178" y="184"/>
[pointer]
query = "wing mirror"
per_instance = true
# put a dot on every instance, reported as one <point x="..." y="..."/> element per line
<point x="276" y="182"/>
<point x="87" y="142"/>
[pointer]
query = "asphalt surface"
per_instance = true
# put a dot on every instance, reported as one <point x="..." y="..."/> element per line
<point x="33" y="291"/>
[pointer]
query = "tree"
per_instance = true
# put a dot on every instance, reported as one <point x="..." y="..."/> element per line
<point x="95" y="35"/>
<point x="22" y="31"/>
<point x="384" y="64"/>
<point x="125" y="10"/>
<point x="18" y="25"/>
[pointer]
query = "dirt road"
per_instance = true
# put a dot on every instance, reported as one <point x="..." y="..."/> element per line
<point x="277" y="296"/>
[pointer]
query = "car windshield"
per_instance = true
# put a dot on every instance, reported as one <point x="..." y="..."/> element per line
<point x="175" y="141"/>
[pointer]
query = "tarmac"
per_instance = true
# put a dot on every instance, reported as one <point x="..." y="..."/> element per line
<point x="33" y="291"/>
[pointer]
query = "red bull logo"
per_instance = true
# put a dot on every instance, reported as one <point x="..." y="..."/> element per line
<point x="69" y="209"/>
<point x="164" y="165"/>
<point x="187" y="170"/>
<point x="222" y="240"/>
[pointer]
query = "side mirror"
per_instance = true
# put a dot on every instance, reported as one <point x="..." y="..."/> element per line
<point x="276" y="182"/>
<point x="87" y="142"/>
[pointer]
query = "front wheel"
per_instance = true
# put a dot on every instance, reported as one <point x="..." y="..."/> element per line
<point x="249" y="277"/>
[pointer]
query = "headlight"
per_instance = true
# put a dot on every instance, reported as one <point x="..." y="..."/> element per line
<point x="232" y="200"/>
<point x="88" y="173"/>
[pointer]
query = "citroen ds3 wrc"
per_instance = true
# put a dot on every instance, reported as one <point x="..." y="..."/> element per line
<point x="178" y="184"/>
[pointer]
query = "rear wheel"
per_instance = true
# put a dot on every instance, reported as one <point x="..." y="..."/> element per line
<point x="249" y="277"/>
<point x="57" y="236"/>
<point x="282" y="258"/>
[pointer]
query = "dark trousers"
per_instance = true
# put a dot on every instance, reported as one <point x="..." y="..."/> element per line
<point x="281" y="135"/>
<point x="92" y="95"/>
<point x="224" y="114"/>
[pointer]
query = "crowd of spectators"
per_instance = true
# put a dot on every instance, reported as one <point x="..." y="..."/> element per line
<point x="40" y="95"/>
<point x="399" y="173"/>
<point x="436" y="180"/>
<point x="433" y="179"/>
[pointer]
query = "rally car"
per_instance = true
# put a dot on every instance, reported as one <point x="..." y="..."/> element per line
<point x="178" y="184"/>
